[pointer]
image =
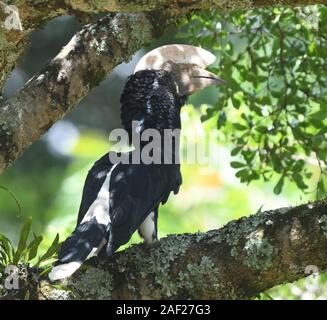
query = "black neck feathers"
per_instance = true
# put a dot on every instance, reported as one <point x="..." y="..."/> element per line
<point x="150" y="98"/>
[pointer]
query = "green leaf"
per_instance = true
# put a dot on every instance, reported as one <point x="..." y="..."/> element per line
<point x="276" y="162"/>
<point x="22" y="240"/>
<point x="236" y="103"/>
<point x="53" y="249"/>
<point x="34" y="246"/>
<point x="243" y="174"/>
<point x="248" y="155"/>
<point x="236" y="150"/>
<point x="298" y="134"/>
<point x="14" y="197"/>
<point x="256" y="109"/>
<point x="321" y="114"/>
<point x="321" y="189"/>
<point x="236" y="164"/>
<point x="239" y="126"/>
<point x="46" y="270"/>
<point x="299" y="165"/>
<point x="279" y="186"/>
<point x="5" y="243"/>
<point x="253" y="176"/>
<point x="268" y="296"/>
<point x="260" y="209"/>
<point x="210" y="112"/>
<point x="221" y="119"/>
<point x="3" y="261"/>
<point x="299" y="180"/>
<point x="261" y="129"/>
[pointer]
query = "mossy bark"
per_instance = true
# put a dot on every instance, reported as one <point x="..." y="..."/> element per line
<point x="33" y="14"/>
<point x="80" y="66"/>
<point x="238" y="261"/>
<point x="56" y="90"/>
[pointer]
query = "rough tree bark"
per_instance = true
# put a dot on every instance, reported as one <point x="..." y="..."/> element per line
<point x="238" y="261"/>
<point x="81" y="65"/>
<point x="49" y="95"/>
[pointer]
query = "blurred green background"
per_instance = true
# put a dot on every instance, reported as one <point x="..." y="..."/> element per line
<point x="47" y="180"/>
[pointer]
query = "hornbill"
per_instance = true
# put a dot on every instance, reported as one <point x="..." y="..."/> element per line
<point x="119" y="198"/>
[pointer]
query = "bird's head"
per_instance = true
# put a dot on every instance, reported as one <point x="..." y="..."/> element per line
<point x="185" y="63"/>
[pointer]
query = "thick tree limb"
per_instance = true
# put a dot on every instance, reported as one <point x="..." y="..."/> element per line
<point x="32" y="14"/>
<point x="81" y="65"/>
<point x="84" y="62"/>
<point x="238" y="261"/>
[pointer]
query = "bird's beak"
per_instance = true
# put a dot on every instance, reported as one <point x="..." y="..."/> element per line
<point x="186" y="63"/>
<point x="192" y="78"/>
<point x="204" y="74"/>
<point x="201" y="78"/>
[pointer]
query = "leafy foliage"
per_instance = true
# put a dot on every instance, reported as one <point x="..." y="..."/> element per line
<point x="26" y="252"/>
<point x="275" y="125"/>
<point x="274" y="106"/>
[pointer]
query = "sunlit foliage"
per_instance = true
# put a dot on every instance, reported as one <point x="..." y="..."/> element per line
<point x="274" y="105"/>
<point x="271" y="126"/>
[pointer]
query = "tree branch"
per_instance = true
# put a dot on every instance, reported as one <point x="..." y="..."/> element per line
<point x="238" y="261"/>
<point x="80" y="66"/>
<point x="84" y="62"/>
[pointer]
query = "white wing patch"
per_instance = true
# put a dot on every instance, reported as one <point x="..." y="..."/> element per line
<point x="100" y="207"/>
<point x="100" y="210"/>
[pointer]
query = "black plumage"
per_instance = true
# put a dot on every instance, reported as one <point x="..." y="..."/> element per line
<point x="121" y="197"/>
<point x="134" y="191"/>
<point x="151" y="96"/>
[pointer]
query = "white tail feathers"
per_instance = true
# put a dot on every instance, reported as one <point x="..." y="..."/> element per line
<point x="90" y="233"/>
<point x="64" y="270"/>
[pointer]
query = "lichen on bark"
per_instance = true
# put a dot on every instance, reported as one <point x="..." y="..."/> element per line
<point x="272" y="248"/>
<point x="60" y="85"/>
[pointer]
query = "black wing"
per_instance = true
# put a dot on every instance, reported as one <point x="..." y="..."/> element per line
<point x="138" y="189"/>
<point x="94" y="180"/>
<point x="135" y="191"/>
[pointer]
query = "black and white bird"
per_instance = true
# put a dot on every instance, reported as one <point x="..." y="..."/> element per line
<point x="119" y="198"/>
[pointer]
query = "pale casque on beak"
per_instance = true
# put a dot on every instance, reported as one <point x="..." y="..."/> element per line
<point x="186" y="63"/>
